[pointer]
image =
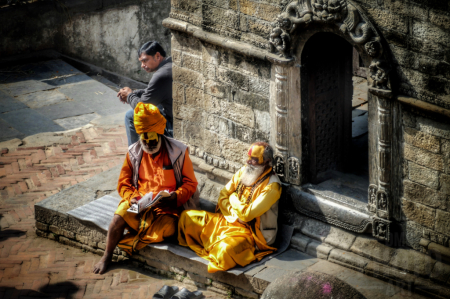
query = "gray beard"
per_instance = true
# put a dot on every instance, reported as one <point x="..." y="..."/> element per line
<point x="150" y="150"/>
<point x="251" y="173"/>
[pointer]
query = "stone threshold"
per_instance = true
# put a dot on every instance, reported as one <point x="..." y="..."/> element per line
<point x="406" y="268"/>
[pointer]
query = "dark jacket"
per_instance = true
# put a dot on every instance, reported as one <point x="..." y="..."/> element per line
<point x="158" y="91"/>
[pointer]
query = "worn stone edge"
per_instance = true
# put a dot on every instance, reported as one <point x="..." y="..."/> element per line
<point x="423" y="105"/>
<point x="226" y="42"/>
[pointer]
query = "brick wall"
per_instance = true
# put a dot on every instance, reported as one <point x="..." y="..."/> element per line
<point x="221" y="99"/>
<point x="426" y="171"/>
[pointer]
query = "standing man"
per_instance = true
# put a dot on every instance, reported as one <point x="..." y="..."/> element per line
<point x="158" y="92"/>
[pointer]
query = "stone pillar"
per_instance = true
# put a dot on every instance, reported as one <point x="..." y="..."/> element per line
<point x="380" y="201"/>
<point x="281" y="108"/>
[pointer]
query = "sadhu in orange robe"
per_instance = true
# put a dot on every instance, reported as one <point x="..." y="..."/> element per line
<point x="224" y="240"/>
<point x="155" y="174"/>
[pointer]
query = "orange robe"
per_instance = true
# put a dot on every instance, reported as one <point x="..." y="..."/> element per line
<point x="220" y="237"/>
<point x="154" y="224"/>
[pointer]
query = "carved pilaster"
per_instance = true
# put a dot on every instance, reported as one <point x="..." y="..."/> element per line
<point x="384" y="143"/>
<point x="381" y="229"/>
<point x="281" y="107"/>
<point x="372" y="198"/>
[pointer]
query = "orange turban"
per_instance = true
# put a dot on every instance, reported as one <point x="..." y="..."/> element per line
<point x="256" y="151"/>
<point x="147" y="118"/>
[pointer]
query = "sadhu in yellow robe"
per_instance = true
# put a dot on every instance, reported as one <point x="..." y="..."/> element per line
<point x="243" y="227"/>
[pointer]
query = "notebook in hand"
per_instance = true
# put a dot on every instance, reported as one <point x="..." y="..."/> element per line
<point x="147" y="201"/>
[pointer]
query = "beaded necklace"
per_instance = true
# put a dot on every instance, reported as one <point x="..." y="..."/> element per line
<point x="240" y="188"/>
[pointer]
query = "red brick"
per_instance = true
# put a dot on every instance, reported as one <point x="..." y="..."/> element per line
<point x="80" y="160"/>
<point x="15" y="167"/>
<point x="23" y="186"/>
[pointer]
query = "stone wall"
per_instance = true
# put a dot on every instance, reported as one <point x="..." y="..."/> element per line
<point x="418" y="34"/>
<point x="426" y="178"/>
<point x="221" y="100"/>
<point x="105" y="33"/>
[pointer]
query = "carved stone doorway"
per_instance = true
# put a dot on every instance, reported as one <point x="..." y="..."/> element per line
<point x="327" y="72"/>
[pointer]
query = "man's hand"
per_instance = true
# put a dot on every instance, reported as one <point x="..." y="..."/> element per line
<point x="168" y="201"/>
<point x="133" y="201"/>
<point x="123" y="94"/>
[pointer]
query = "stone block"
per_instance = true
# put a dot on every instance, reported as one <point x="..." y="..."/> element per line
<point x="423" y="175"/>
<point x="442" y="222"/>
<point x="428" y="289"/>
<point x="340" y="238"/>
<point x="372" y="249"/>
<point x="292" y="260"/>
<point x="432" y="127"/>
<point x="253" y="100"/>
<point x="234" y="150"/>
<point x="348" y="259"/>
<point x="211" y="143"/>
<point x="198" y="278"/>
<point x="318" y="250"/>
<point x="440" y="19"/>
<point x="199" y="285"/>
<point x="259" y="85"/>
<point x="221" y="17"/>
<point x="178" y="92"/>
<point x="419" y="213"/>
<point x="219" y="291"/>
<point x="194" y="96"/>
<point x="422" y="140"/>
<point x="192" y="62"/>
<point x="43" y="234"/>
<point x="41" y="226"/>
<point x="300" y="242"/>
<point x="316" y="229"/>
<point x="421" y="194"/>
<point x="186" y="43"/>
<point x="386" y="20"/>
<point x="215" y="89"/>
<point x="246" y="294"/>
<point x="390" y="274"/>
<point x="440" y="272"/>
<point x="263" y="121"/>
<point x="261" y="280"/>
<point x="412" y="261"/>
<point x="445" y="183"/>
<point x="178" y="271"/>
<point x="244" y="133"/>
<point x="233" y="78"/>
<point x="186" y="76"/>
<point x="258" y="27"/>
<point x="238" y="113"/>
<point x="423" y="157"/>
<point x="427" y="31"/>
<point x="222" y="286"/>
<point x="209" y="71"/>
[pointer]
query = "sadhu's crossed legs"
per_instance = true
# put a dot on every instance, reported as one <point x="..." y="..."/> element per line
<point x="115" y="234"/>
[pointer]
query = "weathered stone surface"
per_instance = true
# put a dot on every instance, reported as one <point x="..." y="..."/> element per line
<point x="300" y="242"/>
<point x="340" y="238"/>
<point x="198" y="278"/>
<point x="187" y="76"/>
<point x="245" y="293"/>
<point x="372" y="249"/>
<point x="292" y="260"/>
<point x="316" y="229"/>
<point x="389" y="273"/>
<point x="318" y="250"/>
<point x="423" y="175"/>
<point x="445" y="183"/>
<point x="192" y="62"/>
<point x="419" y="213"/>
<point x="261" y="280"/>
<point x="442" y="222"/>
<point x="414" y="233"/>
<point x="432" y="127"/>
<point x="423" y="157"/>
<point x="412" y="261"/>
<point x="440" y="272"/>
<point x="348" y="259"/>
<point x="421" y="194"/>
<point x="310" y="285"/>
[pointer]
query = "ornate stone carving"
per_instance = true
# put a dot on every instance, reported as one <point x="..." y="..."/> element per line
<point x="381" y="229"/>
<point x="383" y="205"/>
<point x="294" y="171"/>
<point x="341" y="13"/>
<point x="379" y="74"/>
<point x="279" y="167"/>
<point x="372" y="198"/>
<point x="374" y="49"/>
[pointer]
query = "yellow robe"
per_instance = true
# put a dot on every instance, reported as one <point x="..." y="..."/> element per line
<point x="220" y="237"/>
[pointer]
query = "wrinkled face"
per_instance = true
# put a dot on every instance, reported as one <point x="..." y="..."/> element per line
<point x="150" y="63"/>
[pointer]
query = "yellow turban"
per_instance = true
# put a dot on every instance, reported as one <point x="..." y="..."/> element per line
<point x="147" y="118"/>
<point x="256" y="151"/>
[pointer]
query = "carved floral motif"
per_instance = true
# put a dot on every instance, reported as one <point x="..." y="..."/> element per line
<point x="381" y="229"/>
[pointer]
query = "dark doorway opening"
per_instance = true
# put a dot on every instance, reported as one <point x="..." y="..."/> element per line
<point x="334" y="108"/>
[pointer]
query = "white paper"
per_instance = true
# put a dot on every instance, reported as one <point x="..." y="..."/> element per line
<point x="148" y="201"/>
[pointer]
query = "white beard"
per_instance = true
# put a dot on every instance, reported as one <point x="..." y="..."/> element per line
<point x="150" y="150"/>
<point x="251" y="173"/>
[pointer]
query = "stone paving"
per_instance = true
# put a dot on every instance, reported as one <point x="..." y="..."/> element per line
<point x="37" y="166"/>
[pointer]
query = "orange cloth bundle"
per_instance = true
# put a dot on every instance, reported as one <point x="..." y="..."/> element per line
<point x="147" y="118"/>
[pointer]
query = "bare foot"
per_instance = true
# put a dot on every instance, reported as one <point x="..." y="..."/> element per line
<point x="102" y="265"/>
